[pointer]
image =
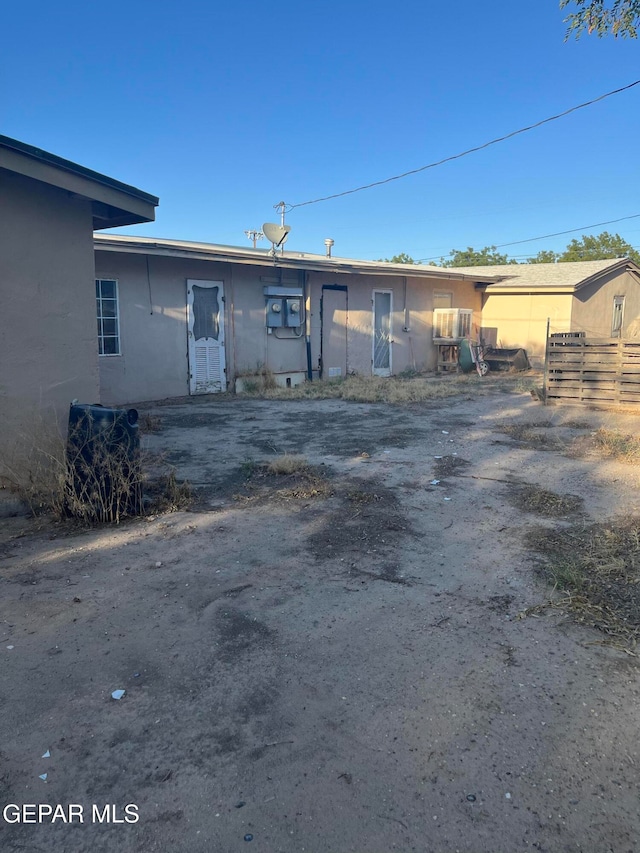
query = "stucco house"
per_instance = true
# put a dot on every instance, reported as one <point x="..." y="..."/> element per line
<point x="195" y="317"/>
<point x="599" y="298"/>
<point x="49" y="209"/>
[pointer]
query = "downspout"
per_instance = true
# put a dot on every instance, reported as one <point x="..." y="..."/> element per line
<point x="406" y="310"/>
<point x="307" y="325"/>
<point x="231" y="313"/>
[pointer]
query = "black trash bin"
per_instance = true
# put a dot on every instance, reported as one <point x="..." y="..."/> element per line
<point x="103" y="460"/>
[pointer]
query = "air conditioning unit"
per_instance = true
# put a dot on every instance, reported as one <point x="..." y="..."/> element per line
<point x="451" y="324"/>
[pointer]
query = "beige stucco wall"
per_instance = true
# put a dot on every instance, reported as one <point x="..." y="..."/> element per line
<point x="412" y="307"/>
<point x="153" y="322"/>
<point x="592" y="306"/>
<point x="521" y="319"/>
<point x="153" y="339"/>
<point x="153" y="325"/>
<point x="252" y="345"/>
<point x="48" y="348"/>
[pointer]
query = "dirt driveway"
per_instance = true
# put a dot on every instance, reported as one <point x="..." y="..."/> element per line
<point x="327" y="660"/>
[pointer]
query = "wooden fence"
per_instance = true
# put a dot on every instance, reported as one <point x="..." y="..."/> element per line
<point x="595" y="372"/>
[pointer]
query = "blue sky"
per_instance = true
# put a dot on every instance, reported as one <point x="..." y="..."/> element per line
<point x="223" y="110"/>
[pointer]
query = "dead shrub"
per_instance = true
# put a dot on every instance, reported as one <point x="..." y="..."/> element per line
<point x="90" y="479"/>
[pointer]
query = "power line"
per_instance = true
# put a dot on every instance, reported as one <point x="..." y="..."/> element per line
<point x="570" y="231"/>
<point x="555" y="234"/>
<point x="468" y="151"/>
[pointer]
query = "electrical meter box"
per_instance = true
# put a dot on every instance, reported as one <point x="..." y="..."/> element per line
<point x="285" y="307"/>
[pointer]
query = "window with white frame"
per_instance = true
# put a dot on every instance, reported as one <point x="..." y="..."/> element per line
<point x="108" y="318"/>
<point x="617" y="317"/>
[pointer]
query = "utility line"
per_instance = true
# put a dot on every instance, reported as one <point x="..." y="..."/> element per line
<point x="464" y="153"/>
<point x="570" y="231"/>
<point x="555" y="234"/>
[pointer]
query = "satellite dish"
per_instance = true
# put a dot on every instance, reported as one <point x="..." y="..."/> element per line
<point x="276" y="234"/>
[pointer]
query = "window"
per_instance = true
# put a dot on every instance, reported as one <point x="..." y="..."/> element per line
<point x="442" y="300"/>
<point x="108" y="319"/>
<point x="616" y="319"/>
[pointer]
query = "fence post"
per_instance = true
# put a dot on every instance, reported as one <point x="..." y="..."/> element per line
<point x="619" y="371"/>
<point x="546" y="365"/>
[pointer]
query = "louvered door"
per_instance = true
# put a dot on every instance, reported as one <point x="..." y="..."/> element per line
<point x="205" y="311"/>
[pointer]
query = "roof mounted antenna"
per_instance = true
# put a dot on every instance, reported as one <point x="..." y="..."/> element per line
<point x="277" y="234"/>
<point x="254" y="235"/>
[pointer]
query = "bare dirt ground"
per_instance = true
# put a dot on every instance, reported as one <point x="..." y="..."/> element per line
<point x="330" y="660"/>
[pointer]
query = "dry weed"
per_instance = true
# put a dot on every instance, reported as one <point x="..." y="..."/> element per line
<point x="287" y="464"/>
<point x="286" y="477"/>
<point x="149" y="422"/>
<point x="96" y="475"/>
<point x="543" y="502"/>
<point x="597" y="570"/>
<point x="528" y="433"/>
<point x="258" y="381"/>
<point x="398" y="390"/>
<point x="618" y="445"/>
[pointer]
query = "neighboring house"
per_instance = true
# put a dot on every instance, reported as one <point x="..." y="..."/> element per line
<point x="49" y="208"/>
<point x="599" y="298"/>
<point x="196" y="316"/>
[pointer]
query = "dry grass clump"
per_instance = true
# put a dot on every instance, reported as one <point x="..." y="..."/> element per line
<point x="286" y="477"/>
<point x="360" y="496"/>
<point x="397" y="389"/>
<point x="544" y="502"/>
<point x="529" y="433"/>
<point x="597" y="571"/>
<point x="91" y="478"/>
<point x="149" y="423"/>
<point x="373" y="389"/>
<point x="618" y="445"/>
<point x="166" y="494"/>
<point x="258" y="381"/>
<point x="287" y="464"/>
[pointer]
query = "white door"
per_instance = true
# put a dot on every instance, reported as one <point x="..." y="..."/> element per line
<point x="205" y="315"/>
<point x="382" y="308"/>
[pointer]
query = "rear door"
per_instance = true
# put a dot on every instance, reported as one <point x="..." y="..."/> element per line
<point x="382" y="311"/>
<point x="334" y="319"/>
<point x="205" y="323"/>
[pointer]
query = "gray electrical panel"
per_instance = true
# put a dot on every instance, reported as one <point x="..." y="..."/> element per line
<point x="285" y="307"/>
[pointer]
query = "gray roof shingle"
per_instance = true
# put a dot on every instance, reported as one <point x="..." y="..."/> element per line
<point x="570" y="275"/>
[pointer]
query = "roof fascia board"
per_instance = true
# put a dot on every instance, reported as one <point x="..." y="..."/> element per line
<point x="528" y="289"/>
<point x="135" y="207"/>
<point x="130" y="246"/>
<point x="29" y="152"/>
<point x="602" y="273"/>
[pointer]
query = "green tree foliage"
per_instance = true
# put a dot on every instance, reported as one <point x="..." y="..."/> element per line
<point x="618" y="17"/>
<point x="599" y="247"/>
<point x="402" y="258"/>
<point x="470" y="257"/>
<point x="545" y="256"/>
